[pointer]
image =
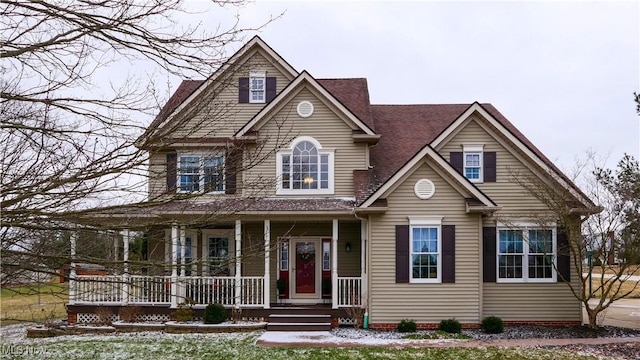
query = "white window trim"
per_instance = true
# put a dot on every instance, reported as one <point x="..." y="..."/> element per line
<point x="253" y="74"/>
<point x="201" y="172"/>
<point x="525" y="227"/>
<point x="206" y="234"/>
<point x="473" y="149"/>
<point x="321" y="151"/>
<point x="430" y="222"/>
<point x="284" y="243"/>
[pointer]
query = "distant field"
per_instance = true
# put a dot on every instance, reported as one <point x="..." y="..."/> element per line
<point x="32" y="302"/>
<point x="626" y="286"/>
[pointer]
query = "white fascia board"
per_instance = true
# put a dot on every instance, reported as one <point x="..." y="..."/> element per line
<point x="475" y="107"/>
<point x="410" y="166"/>
<point x="304" y="76"/>
<point x="256" y="41"/>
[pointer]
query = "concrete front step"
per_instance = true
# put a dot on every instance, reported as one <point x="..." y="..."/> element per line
<point x="298" y="326"/>
<point x="299" y="322"/>
<point x="298" y="318"/>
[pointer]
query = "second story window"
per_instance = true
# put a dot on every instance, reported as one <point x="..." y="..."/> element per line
<point x="306" y="168"/>
<point x="257" y="85"/>
<point x="199" y="173"/>
<point x="473" y="162"/>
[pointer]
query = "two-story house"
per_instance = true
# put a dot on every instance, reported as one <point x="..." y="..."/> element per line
<point x="286" y="189"/>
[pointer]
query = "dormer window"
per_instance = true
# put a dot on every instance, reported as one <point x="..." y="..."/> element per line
<point x="200" y="173"/>
<point x="257" y="88"/>
<point x="257" y="84"/>
<point x="473" y="162"/>
<point x="306" y="168"/>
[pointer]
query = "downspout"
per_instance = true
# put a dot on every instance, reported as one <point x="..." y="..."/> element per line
<point x="364" y="273"/>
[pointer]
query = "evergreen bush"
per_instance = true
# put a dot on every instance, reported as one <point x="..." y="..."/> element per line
<point x="215" y="314"/>
<point x="452" y="326"/>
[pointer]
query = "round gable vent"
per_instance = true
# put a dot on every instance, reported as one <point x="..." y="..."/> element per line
<point x="305" y="109"/>
<point x="424" y="189"/>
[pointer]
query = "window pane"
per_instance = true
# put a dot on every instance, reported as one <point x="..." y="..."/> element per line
<point x="424" y="257"/>
<point x="189" y="173"/>
<point x="326" y="256"/>
<point x="510" y="241"/>
<point x="218" y="255"/>
<point x="472" y="173"/>
<point x="284" y="256"/>
<point x="510" y="266"/>
<point x="213" y="178"/>
<point x="472" y="160"/>
<point x="540" y="241"/>
<point x="540" y="266"/>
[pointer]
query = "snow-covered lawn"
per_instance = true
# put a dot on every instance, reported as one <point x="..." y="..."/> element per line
<point x="159" y="345"/>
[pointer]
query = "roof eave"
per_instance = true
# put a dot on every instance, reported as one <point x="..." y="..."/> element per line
<point x="365" y="138"/>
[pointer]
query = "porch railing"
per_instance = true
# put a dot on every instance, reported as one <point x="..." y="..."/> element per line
<point x="223" y="290"/>
<point x="349" y="291"/>
<point x="99" y="289"/>
<point x="202" y="290"/>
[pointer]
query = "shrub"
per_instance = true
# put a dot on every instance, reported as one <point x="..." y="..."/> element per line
<point x="492" y="325"/>
<point x="129" y="313"/>
<point x="406" y="325"/>
<point x="184" y="313"/>
<point x="452" y="326"/>
<point x="214" y="314"/>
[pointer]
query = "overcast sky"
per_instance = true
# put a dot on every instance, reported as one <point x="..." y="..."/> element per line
<point x="563" y="73"/>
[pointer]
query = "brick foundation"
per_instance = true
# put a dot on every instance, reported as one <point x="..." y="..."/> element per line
<point x="421" y="326"/>
<point x="543" y="323"/>
<point x="434" y="326"/>
<point x="72" y="318"/>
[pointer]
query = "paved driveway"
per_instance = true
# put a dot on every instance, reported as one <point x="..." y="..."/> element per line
<point x="622" y="313"/>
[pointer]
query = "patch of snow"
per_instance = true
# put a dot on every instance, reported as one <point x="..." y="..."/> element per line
<point x="328" y="338"/>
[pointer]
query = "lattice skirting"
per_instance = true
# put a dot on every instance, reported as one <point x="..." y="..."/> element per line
<point x="91" y="318"/>
<point x="346" y="321"/>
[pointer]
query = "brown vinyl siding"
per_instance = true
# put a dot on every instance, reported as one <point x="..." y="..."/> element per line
<point x="157" y="178"/>
<point x="512" y="198"/>
<point x="424" y="303"/>
<point x="514" y="302"/>
<point x="324" y="126"/>
<point x="530" y="302"/>
<point x="222" y="115"/>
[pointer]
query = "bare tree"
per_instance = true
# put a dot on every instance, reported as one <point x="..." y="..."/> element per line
<point x="78" y="89"/>
<point x="590" y="231"/>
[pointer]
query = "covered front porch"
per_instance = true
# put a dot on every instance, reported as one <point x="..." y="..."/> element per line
<point x="242" y="264"/>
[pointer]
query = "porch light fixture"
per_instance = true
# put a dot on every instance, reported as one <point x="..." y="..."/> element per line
<point x="308" y="180"/>
<point x="347" y="247"/>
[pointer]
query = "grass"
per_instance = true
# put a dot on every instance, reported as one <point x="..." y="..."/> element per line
<point x="220" y="346"/>
<point x="435" y="335"/>
<point x="633" y="286"/>
<point x="626" y="286"/>
<point x="33" y="303"/>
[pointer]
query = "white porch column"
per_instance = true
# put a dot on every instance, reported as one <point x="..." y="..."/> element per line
<point x="116" y="246"/>
<point x="267" y="254"/>
<point x="364" y="283"/>
<point x="125" y="270"/>
<point x="182" y="268"/>
<point x="72" y="271"/>
<point x="183" y="243"/>
<point x="334" y="265"/>
<point x="238" y="237"/>
<point x="174" y="263"/>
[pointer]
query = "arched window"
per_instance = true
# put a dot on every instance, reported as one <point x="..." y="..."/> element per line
<point x="305" y="168"/>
